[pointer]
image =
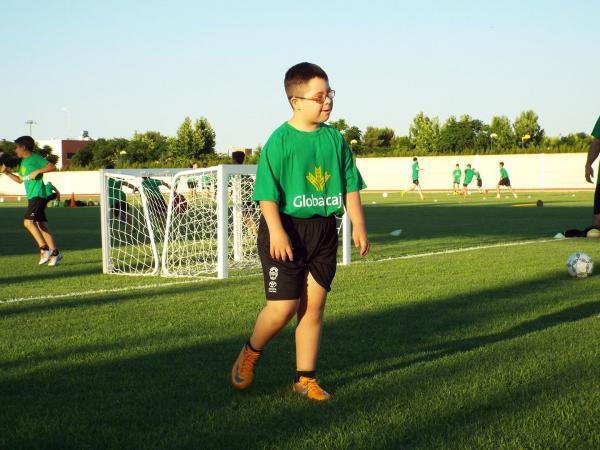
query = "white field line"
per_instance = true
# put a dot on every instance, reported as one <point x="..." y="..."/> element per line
<point x="204" y="279"/>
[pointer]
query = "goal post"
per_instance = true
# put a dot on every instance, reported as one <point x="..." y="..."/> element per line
<point x="184" y="222"/>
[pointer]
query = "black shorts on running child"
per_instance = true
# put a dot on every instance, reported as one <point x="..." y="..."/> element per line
<point x="314" y="246"/>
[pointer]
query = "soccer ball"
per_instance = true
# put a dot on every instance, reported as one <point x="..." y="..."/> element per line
<point x="580" y="265"/>
<point x="385" y="194"/>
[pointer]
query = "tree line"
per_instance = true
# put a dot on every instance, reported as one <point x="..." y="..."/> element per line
<point x="194" y="142"/>
<point x="463" y="135"/>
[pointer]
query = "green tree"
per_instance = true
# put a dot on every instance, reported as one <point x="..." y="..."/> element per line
<point x="502" y="136"/>
<point x="378" y="137"/>
<point x="203" y="138"/>
<point x="424" y="133"/>
<point x="526" y="124"/>
<point x="340" y="125"/>
<point x="353" y="134"/>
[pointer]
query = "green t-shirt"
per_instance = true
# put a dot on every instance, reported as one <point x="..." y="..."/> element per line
<point x="115" y="192"/>
<point x="415" y="171"/>
<point x="477" y="175"/>
<point x="503" y="173"/>
<point x="456" y="175"/>
<point x="152" y="186"/>
<point x="307" y="173"/>
<point x="468" y="176"/>
<point x="49" y="189"/>
<point x="33" y="188"/>
<point x="596" y="130"/>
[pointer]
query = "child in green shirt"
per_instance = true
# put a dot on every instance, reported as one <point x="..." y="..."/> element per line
<point x="593" y="153"/>
<point x="306" y="174"/>
<point x="504" y="181"/>
<point x="31" y="173"/>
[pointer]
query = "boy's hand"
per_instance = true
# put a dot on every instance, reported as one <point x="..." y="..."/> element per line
<point x="281" y="247"/>
<point x="33" y="175"/>
<point x="359" y="236"/>
<point x="589" y="173"/>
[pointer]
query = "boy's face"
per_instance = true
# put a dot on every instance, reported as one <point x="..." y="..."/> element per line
<point x="310" y="107"/>
<point x="21" y="151"/>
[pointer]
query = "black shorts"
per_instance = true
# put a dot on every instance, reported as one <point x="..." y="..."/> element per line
<point x="192" y="184"/>
<point x="36" y="209"/>
<point x="416" y="182"/>
<point x="597" y="200"/>
<point x="504" y="182"/>
<point x="314" y="243"/>
<point x="479" y="183"/>
<point x="119" y="207"/>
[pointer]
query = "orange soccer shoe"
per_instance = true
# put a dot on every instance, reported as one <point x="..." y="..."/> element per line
<point x="310" y="389"/>
<point x="242" y="373"/>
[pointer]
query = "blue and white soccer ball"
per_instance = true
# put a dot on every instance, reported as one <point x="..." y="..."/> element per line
<point x="580" y="265"/>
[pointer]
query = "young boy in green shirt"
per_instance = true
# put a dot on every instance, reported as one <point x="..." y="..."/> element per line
<point x="504" y="181"/>
<point x="306" y="174"/>
<point x="467" y="180"/>
<point x="415" y="179"/>
<point x="31" y="174"/>
<point x="593" y="153"/>
<point x="479" y="181"/>
<point x="456" y="179"/>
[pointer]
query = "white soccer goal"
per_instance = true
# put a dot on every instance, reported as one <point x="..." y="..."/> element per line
<point x="180" y="222"/>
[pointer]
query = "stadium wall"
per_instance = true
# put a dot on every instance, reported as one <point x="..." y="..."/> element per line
<point x="528" y="172"/>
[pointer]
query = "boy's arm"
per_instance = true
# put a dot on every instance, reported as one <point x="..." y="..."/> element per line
<point x="280" y="246"/>
<point x="593" y="153"/>
<point x="12" y="176"/>
<point x="359" y="228"/>
<point x="47" y="168"/>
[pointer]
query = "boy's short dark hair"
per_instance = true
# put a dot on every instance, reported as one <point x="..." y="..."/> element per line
<point x="301" y="74"/>
<point x="468" y="165"/>
<point x="415" y="158"/>
<point x="501" y="163"/>
<point x="26" y="141"/>
<point x="238" y="157"/>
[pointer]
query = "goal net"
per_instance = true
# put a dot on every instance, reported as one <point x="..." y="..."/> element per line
<point x="178" y="222"/>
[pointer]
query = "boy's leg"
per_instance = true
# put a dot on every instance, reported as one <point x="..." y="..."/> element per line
<point x="418" y="186"/>
<point x="35" y="232"/>
<point x="43" y="227"/>
<point x="310" y="324"/>
<point x="498" y="190"/>
<point x="273" y="317"/>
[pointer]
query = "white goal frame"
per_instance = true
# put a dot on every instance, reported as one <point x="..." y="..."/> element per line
<point x="227" y="202"/>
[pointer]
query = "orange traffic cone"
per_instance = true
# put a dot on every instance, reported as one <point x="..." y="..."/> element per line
<point x="72" y="202"/>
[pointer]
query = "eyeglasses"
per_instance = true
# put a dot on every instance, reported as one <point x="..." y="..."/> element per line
<point x="320" y="99"/>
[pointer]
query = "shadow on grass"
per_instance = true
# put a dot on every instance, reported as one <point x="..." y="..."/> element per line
<point x="425" y="222"/>
<point x="180" y="397"/>
<point x="47" y="274"/>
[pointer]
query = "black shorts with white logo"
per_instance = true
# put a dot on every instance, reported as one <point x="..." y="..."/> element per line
<point x="597" y="200"/>
<point x="504" y="182"/>
<point x="36" y="209"/>
<point x="479" y="183"/>
<point x="314" y="243"/>
<point x="416" y="182"/>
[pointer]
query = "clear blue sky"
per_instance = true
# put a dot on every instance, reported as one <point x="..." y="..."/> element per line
<point x="121" y="66"/>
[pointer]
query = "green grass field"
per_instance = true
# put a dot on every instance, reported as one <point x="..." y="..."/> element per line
<point x="495" y="347"/>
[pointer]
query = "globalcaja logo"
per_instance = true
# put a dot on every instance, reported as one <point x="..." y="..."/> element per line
<point x="317" y="179"/>
<point x="273" y="286"/>
<point x="273" y="273"/>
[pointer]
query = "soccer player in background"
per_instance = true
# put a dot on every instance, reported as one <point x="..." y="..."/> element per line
<point x="415" y="179"/>
<point x="504" y="181"/>
<point x="31" y="173"/>
<point x="593" y="153"/>
<point x="479" y="181"/>
<point x="156" y="202"/>
<point x="305" y="175"/>
<point x="467" y="180"/>
<point x="52" y="194"/>
<point x="456" y="179"/>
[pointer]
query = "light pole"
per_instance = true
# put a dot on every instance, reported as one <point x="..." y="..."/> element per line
<point x="31" y="123"/>
<point x="492" y="137"/>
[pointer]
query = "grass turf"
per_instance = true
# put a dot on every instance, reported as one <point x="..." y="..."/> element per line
<point x="494" y="348"/>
